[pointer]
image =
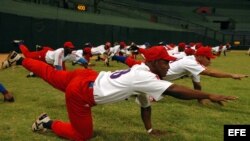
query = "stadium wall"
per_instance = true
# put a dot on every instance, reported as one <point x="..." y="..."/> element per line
<point x="53" y="26"/>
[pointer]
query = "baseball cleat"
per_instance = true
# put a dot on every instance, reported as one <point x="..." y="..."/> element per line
<point x="5" y="64"/>
<point x="38" y="124"/>
<point x="18" y="41"/>
<point x="13" y="57"/>
<point x="31" y="74"/>
<point x="10" y="60"/>
<point x="39" y="47"/>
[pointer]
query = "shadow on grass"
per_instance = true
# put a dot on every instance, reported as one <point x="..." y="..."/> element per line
<point x="133" y="135"/>
<point x="120" y="136"/>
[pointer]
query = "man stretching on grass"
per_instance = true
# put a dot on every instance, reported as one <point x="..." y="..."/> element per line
<point x="85" y="88"/>
<point x="192" y="65"/>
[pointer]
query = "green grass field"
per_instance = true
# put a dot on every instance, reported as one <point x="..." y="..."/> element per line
<point x="183" y="120"/>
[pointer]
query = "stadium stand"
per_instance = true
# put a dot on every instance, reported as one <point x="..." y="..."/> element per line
<point x="223" y="20"/>
<point x="209" y="21"/>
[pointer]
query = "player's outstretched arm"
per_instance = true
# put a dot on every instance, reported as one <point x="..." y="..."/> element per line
<point x="220" y="74"/>
<point x="185" y="93"/>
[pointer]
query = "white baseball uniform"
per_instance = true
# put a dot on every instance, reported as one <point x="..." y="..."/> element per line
<point x="224" y="48"/>
<point x="114" y="50"/>
<point x="142" y="46"/>
<point x="193" y="47"/>
<point x="56" y="57"/>
<point x="179" y="55"/>
<point x="215" y="49"/>
<point x="185" y="66"/>
<point x="139" y="80"/>
<point x="172" y="50"/>
<point x="76" y="55"/>
<point x="99" y="50"/>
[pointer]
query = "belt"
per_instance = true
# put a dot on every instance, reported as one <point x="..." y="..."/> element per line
<point x="91" y="84"/>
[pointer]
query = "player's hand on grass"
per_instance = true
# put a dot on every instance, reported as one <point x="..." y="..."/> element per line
<point x="156" y="132"/>
<point x="239" y="76"/>
<point x="221" y="99"/>
<point x="204" y="101"/>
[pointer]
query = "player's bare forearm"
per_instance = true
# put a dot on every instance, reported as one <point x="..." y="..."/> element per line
<point x="185" y="93"/>
<point x="216" y="73"/>
<point x="182" y="92"/>
<point x="219" y="74"/>
<point x="146" y="117"/>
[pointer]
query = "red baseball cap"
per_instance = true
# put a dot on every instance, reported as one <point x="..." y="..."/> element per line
<point x="191" y="44"/>
<point x="171" y="45"/>
<point x="198" y="45"/>
<point x="108" y="44"/>
<point x="87" y="50"/>
<point x="182" y="45"/>
<point x="189" y="51"/>
<point x="205" y="51"/>
<point x="68" y="45"/>
<point x="156" y="53"/>
<point x="123" y="44"/>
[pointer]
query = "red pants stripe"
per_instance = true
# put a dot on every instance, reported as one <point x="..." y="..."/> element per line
<point x="78" y="95"/>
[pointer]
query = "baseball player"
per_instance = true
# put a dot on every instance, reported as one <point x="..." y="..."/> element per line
<point x="98" y="51"/>
<point x="55" y="58"/>
<point x="180" y="51"/>
<point x="196" y="65"/>
<point x="225" y="48"/>
<point x="134" y="53"/>
<point x="115" y="50"/>
<point x="85" y="88"/>
<point x="189" y="51"/>
<point x="77" y="56"/>
<point x="193" y="66"/>
<point x="8" y="97"/>
<point x="118" y="49"/>
<point x="217" y="50"/>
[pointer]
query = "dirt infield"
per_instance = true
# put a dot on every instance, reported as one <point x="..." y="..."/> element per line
<point x="3" y="57"/>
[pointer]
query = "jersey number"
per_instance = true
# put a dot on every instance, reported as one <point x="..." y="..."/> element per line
<point x="119" y="73"/>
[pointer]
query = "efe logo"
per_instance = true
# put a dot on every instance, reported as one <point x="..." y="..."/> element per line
<point x="236" y="132"/>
